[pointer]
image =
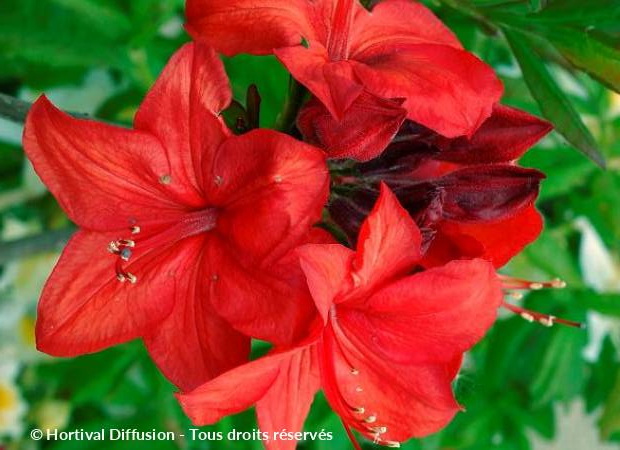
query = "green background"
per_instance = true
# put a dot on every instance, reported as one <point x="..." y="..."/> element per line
<point x="524" y="386"/>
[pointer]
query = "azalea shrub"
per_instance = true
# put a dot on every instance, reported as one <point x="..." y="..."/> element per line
<point x="310" y="223"/>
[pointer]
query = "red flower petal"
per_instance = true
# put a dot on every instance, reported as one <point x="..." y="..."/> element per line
<point x="499" y="241"/>
<point x="249" y="26"/>
<point x="84" y="308"/>
<point x="503" y="137"/>
<point x="394" y="22"/>
<point x="182" y="110"/>
<point x="430" y="317"/>
<point x="258" y="300"/>
<point x="270" y="379"/>
<point x="388" y="245"/>
<point x="448" y="90"/>
<point x="363" y="133"/>
<point x="408" y="400"/>
<point x="334" y="83"/>
<point x="104" y="177"/>
<point x="272" y="189"/>
<point x="327" y="269"/>
<point x="287" y="403"/>
<point x="204" y="345"/>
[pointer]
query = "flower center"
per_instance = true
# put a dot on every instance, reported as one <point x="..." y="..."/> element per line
<point x="190" y="224"/>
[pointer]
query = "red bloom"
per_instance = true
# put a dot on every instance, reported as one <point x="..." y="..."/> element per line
<point x="390" y="345"/>
<point x="178" y="219"/>
<point x="399" y="50"/>
<point x="466" y="194"/>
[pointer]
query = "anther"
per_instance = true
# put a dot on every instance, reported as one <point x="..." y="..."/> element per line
<point x="125" y="254"/>
<point x="126" y="243"/>
<point x="360" y="410"/>
<point x="165" y="179"/>
<point x="370" y="419"/>
<point x="135" y="229"/>
<point x="355" y="372"/>
<point x="558" y="284"/>
<point x="536" y="286"/>
<point x="379" y="430"/>
<point x="547" y="321"/>
<point x="131" y="277"/>
<point x="218" y="180"/>
<point x="392" y="444"/>
<point x="120" y="277"/>
<point x="112" y="247"/>
<point x="527" y="316"/>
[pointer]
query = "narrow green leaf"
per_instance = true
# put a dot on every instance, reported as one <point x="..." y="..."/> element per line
<point x="610" y="419"/>
<point x="552" y="101"/>
<point x="537" y="5"/>
<point x="587" y="52"/>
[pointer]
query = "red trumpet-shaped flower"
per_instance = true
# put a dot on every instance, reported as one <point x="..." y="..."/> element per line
<point x="182" y="225"/>
<point x="338" y="50"/>
<point x="466" y="194"/>
<point x="391" y="341"/>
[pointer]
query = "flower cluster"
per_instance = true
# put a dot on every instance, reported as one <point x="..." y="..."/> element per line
<point x="365" y="253"/>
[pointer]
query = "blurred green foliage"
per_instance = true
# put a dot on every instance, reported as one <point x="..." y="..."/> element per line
<point x="552" y="56"/>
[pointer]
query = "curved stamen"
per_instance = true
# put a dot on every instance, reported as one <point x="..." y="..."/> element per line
<point x="531" y="316"/>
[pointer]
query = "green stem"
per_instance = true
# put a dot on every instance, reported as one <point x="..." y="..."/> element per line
<point x="16" y="110"/>
<point x="294" y="100"/>
<point x="13" y="109"/>
<point x="48" y="241"/>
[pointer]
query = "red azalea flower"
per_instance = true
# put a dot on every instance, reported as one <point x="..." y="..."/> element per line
<point x="178" y="219"/>
<point x="466" y="194"/>
<point x="390" y="345"/>
<point x="397" y="50"/>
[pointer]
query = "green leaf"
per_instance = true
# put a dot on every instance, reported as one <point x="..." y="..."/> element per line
<point x="552" y="101"/>
<point x="608" y="304"/>
<point x="537" y="5"/>
<point x="610" y="420"/>
<point x="561" y="373"/>
<point x="102" y="17"/>
<point x="588" y="52"/>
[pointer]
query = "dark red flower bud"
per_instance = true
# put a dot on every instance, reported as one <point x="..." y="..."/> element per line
<point x="485" y="193"/>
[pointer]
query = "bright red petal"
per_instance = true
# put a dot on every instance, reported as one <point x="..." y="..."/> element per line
<point x="394" y="22"/>
<point x="271" y="303"/>
<point x="364" y="132"/>
<point x="104" y="177"/>
<point x="327" y="269"/>
<point x="244" y="386"/>
<point x="193" y="344"/>
<point x="447" y="90"/>
<point x="430" y="317"/>
<point x="388" y="245"/>
<point x="334" y="83"/>
<point x="389" y="401"/>
<point x="287" y="403"/>
<point x="249" y="26"/>
<point x="84" y="308"/>
<point x="271" y="189"/>
<point x="500" y="240"/>
<point x="182" y="110"/>
<point x="503" y="137"/>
